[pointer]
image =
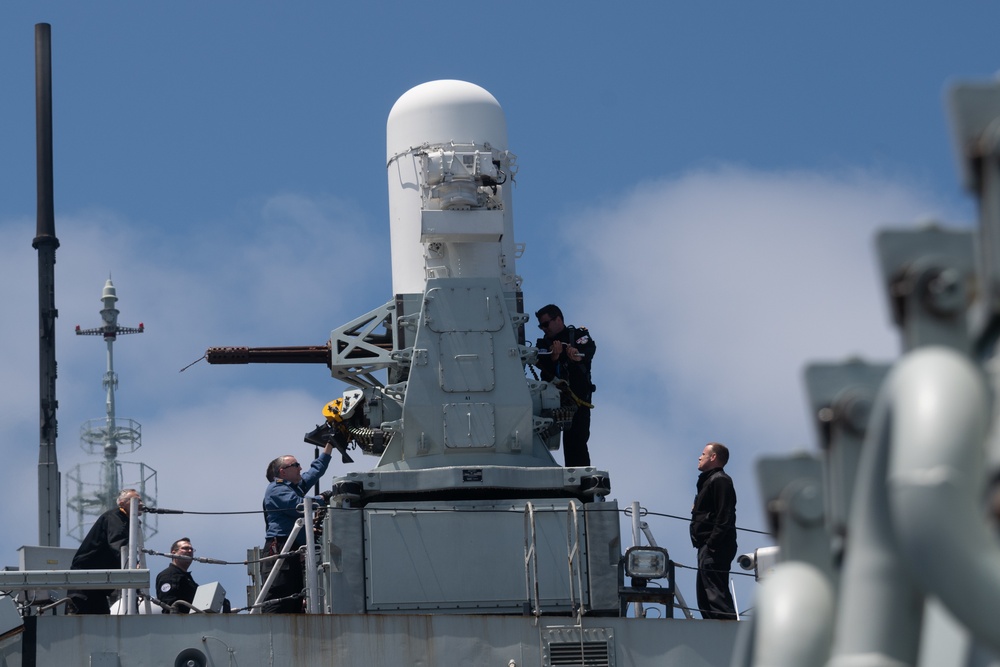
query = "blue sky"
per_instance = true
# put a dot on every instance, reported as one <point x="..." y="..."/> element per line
<point x="699" y="184"/>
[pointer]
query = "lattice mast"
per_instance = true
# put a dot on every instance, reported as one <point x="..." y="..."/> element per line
<point x="109" y="436"/>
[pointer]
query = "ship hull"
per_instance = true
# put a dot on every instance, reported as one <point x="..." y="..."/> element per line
<point x="370" y="640"/>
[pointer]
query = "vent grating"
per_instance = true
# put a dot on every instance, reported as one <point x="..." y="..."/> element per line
<point x="579" y="647"/>
<point x="587" y="654"/>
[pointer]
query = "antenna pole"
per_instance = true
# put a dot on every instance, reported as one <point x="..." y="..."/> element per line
<point x="46" y="243"/>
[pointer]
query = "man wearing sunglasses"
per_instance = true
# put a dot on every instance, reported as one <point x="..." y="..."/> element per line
<point x="288" y="485"/>
<point x="565" y="353"/>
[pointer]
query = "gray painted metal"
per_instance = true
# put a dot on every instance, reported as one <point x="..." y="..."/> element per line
<point x="469" y="556"/>
<point x="404" y="545"/>
<point x="841" y="397"/>
<point x="465" y="399"/>
<point x="470" y="477"/>
<point x="374" y="640"/>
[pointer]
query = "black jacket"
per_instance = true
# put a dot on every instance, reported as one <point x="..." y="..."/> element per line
<point x="577" y="373"/>
<point x="173" y="584"/>
<point x="713" y="515"/>
<point x="101" y="548"/>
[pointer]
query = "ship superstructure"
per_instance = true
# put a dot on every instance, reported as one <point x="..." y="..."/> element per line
<point x="464" y="435"/>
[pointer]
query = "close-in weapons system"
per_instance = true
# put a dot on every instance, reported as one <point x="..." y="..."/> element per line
<point x="464" y="436"/>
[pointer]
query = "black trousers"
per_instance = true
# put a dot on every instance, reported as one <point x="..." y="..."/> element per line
<point x="575" y="438"/>
<point x="90" y="601"/>
<point x="289" y="580"/>
<point x="714" y="598"/>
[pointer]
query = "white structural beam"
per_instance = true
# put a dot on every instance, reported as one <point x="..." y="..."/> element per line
<point x="75" y="579"/>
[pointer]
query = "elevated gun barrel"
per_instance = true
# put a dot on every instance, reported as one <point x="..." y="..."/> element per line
<point x="308" y="354"/>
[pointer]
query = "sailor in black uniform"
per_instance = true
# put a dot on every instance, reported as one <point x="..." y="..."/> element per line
<point x="565" y="353"/>
<point x="175" y="582"/>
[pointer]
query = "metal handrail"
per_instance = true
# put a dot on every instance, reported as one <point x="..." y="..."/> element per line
<point x="312" y="580"/>
<point x="266" y="588"/>
<point x="531" y="560"/>
<point x="573" y="559"/>
<point x="642" y="526"/>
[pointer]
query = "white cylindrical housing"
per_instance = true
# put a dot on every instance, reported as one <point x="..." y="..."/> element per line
<point x="454" y="237"/>
<point x="794" y="617"/>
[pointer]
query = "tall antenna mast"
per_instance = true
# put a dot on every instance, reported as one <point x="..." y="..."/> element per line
<point x="46" y="243"/>
<point x="109" y="436"/>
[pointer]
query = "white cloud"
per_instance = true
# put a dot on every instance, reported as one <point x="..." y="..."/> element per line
<point x="721" y="284"/>
<point x="708" y="294"/>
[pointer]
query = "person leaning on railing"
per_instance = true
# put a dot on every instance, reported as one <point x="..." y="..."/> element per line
<point x="101" y="550"/>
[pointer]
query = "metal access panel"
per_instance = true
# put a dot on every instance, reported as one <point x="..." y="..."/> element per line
<point x="467" y="557"/>
<point x="466" y="307"/>
<point x="466" y="361"/>
<point x="461" y="226"/>
<point x="469" y="425"/>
